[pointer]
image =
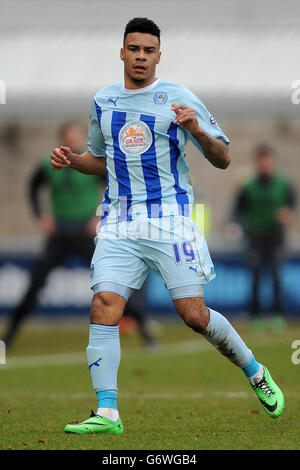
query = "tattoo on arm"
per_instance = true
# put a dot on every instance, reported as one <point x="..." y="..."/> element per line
<point x="215" y="150"/>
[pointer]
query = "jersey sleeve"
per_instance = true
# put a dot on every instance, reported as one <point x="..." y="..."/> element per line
<point x="205" y="119"/>
<point x="95" y="143"/>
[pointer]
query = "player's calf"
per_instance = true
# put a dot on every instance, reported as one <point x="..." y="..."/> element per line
<point x="194" y="313"/>
<point x="221" y="334"/>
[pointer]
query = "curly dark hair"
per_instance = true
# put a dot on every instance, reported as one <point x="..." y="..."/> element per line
<point x="142" y="25"/>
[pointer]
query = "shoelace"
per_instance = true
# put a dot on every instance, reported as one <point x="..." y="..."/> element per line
<point x="262" y="385"/>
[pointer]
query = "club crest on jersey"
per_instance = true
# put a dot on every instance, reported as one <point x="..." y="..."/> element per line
<point x="160" y="98"/>
<point x="135" y="138"/>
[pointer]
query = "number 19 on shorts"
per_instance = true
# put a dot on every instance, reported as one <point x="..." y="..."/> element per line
<point x="184" y="252"/>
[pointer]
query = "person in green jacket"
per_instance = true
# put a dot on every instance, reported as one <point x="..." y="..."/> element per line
<point x="264" y="207"/>
<point x="69" y="225"/>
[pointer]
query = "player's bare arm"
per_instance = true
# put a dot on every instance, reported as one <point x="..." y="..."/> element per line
<point x="215" y="150"/>
<point x="86" y="163"/>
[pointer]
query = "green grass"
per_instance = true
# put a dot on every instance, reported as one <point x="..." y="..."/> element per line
<point x="184" y="395"/>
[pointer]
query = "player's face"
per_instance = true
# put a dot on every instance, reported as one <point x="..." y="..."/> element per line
<point x="141" y="54"/>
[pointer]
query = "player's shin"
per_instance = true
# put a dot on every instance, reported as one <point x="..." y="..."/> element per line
<point x="221" y="334"/>
<point x="103" y="353"/>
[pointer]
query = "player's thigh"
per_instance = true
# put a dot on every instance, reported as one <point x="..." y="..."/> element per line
<point x="117" y="266"/>
<point x="179" y="254"/>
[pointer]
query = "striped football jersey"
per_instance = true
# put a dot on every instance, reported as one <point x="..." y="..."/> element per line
<point x="147" y="174"/>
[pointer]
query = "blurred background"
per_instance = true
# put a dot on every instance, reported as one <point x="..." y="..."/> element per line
<point x="239" y="57"/>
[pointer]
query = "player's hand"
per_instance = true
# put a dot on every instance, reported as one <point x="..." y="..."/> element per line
<point x="61" y="158"/>
<point x="47" y="224"/>
<point x="186" y="117"/>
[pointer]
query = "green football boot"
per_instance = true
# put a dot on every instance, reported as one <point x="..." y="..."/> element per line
<point x="96" y="424"/>
<point x="269" y="394"/>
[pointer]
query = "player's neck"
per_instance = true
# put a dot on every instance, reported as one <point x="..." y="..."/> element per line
<point x="129" y="84"/>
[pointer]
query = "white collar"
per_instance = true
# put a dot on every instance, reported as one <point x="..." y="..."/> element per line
<point x="140" y="90"/>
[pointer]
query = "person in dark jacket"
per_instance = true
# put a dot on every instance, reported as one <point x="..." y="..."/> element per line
<point x="264" y="208"/>
<point x="69" y="227"/>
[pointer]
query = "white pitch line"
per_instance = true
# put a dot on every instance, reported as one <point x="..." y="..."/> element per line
<point x="184" y="396"/>
<point x="43" y="360"/>
<point x="62" y="359"/>
<point x="144" y="396"/>
<point x="186" y="347"/>
<point x="138" y="396"/>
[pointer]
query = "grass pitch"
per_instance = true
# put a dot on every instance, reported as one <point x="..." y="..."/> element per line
<point x="184" y="395"/>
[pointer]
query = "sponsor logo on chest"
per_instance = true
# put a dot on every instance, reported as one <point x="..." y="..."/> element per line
<point x="135" y="138"/>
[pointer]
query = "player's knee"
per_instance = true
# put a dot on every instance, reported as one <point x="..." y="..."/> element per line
<point x="197" y="319"/>
<point x="105" y="309"/>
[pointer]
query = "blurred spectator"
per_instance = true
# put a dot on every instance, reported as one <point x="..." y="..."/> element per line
<point x="264" y="208"/>
<point x="69" y="227"/>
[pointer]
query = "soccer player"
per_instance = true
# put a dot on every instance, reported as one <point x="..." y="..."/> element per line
<point x="137" y="134"/>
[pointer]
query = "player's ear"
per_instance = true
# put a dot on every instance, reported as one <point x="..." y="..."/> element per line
<point x="158" y="58"/>
<point x="122" y="53"/>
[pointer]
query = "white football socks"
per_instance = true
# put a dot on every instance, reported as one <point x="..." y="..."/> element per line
<point x="258" y="376"/>
<point x="109" y="413"/>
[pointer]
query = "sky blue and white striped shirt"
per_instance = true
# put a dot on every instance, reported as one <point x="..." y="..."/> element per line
<point x="147" y="174"/>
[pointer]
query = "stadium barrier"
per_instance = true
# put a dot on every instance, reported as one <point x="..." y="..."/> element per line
<point x="67" y="288"/>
